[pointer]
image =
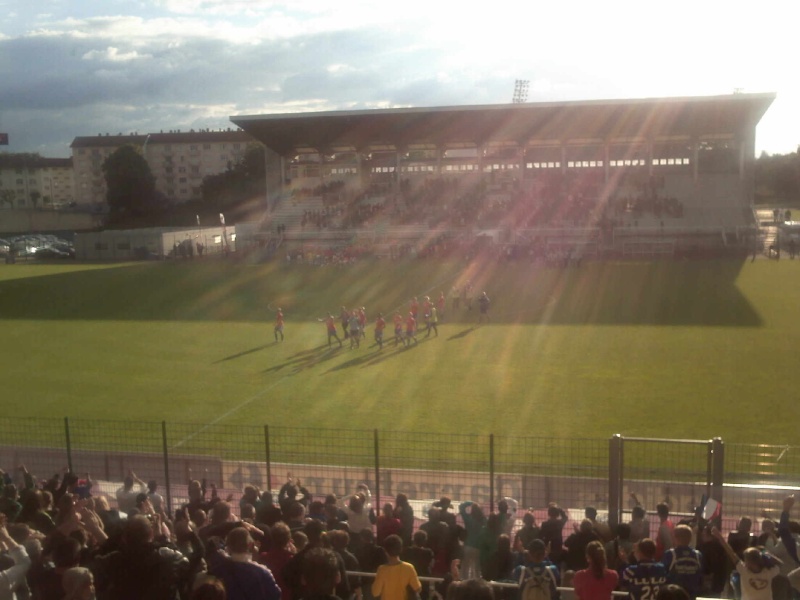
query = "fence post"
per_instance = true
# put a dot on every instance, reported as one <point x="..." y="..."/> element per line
<point x="69" y="444"/>
<point x="615" y="455"/>
<point x="377" y="471"/>
<point x="491" y="473"/>
<point x="718" y="468"/>
<point x="166" y="467"/>
<point x="269" y="459"/>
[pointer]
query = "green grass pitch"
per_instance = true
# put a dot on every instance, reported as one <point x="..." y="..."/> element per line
<point x="662" y="349"/>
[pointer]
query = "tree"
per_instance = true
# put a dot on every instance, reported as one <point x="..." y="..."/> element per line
<point x="241" y="182"/>
<point x="131" y="186"/>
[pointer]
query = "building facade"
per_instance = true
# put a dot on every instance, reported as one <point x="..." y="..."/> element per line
<point x="32" y="181"/>
<point x="178" y="160"/>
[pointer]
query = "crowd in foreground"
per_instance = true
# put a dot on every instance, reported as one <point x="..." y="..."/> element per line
<point x="59" y="539"/>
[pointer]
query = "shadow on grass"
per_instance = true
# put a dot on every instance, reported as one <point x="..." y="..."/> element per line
<point x="694" y="293"/>
<point x="244" y="353"/>
<point x="461" y="334"/>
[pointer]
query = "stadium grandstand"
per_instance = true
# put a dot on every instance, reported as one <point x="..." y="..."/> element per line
<point x="608" y="177"/>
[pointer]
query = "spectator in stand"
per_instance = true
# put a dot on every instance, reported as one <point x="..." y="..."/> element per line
<point x="243" y="578"/>
<point x="643" y="579"/>
<point x="156" y="499"/>
<point x="280" y="552"/>
<point x="597" y="582"/>
<point x="501" y="563"/>
<point x="474" y="522"/>
<point x="78" y="584"/>
<point x="15" y="568"/>
<point x="551" y="531"/>
<point x="684" y="564"/>
<point x="438" y="538"/>
<point x="488" y="540"/>
<point x="393" y="579"/>
<point x="666" y="531"/>
<point x="620" y="549"/>
<point x="126" y="495"/>
<point x="369" y="554"/>
<point x="321" y="574"/>
<point x="576" y="545"/>
<point x="387" y="524"/>
<point x="742" y="539"/>
<point x="46" y="575"/>
<point x="140" y="568"/>
<point x="640" y="526"/>
<point x="293" y="491"/>
<point x="419" y="555"/>
<point x="602" y="529"/>
<point x="208" y="588"/>
<point x="535" y="564"/>
<point x="404" y="512"/>
<point x="9" y="502"/>
<point x="346" y="590"/>
<point x="294" y="569"/>
<point x="33" y="512"/>
<point x="358" y="511"/>
<point x="527" y="533"/>
<point x="756" y="570"/>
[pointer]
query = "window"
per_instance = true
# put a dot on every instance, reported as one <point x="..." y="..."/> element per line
<point x="181" y="169"/>
<point x="206" y="146"/>
<point x="168" y="170"/>
<point x="193" y="147"/>
<point x="20" y="181"/>
<point x="123" y="245"/>
<point x="195" y="169"/>
<point x="237" y="146"/>
<point x="101" y="245"/>
<point x="182" y="180"/>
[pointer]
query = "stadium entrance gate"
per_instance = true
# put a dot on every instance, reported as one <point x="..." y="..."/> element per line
<point x="678" y="472"/>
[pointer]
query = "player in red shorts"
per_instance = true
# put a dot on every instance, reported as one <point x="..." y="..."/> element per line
<point x="330" y="325"/>
<point x="414" y="307"/>
<point x="411" y="329"/>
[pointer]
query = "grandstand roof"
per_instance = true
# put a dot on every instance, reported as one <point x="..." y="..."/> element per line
<point x="527" y="124"/>
<point x="32" y="161"/>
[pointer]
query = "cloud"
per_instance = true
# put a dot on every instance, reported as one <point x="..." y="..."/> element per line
<point x="114" y="55"/>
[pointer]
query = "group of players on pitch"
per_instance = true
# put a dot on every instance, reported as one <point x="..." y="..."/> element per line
<point x="354" y="322"/>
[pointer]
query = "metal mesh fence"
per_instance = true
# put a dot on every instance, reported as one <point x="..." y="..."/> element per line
<point x="425" y="466"/>
<point x="677" y="472"/>
<point x="38" y="444"/>
<point x="758" y="477"/>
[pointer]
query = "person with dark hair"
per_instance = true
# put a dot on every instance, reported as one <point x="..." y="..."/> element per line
<point x="666" y="531"/>
<point x="501" y="562"/>
<point x="350" y="588"/>
<point x="387" y="524"/>
<point x="396" y="576"/>
<point x="421" y="557"/>
<point x="209" y="588"/>
<point x="471" y="589"/>
<point x="46" y="577"/>
<point x="474" y="522"/>
<point x="142" y="569"/>
<point x="278" y="555"/>
<point x="404" y="512"/>
<point x="597" y="582"/>
<point x="576" y="545"/>
<point x="243" y="578"/>
<point x="620" y="548"/>
<point x="320" y="574"/>
<point x="294" y="569"/>
<point x="527" y="533"/>
<point x="645" y="578"/>
<point x="551" y="531"/>
<point x="640" y="525"/>
<point x="537" y="571"/>
<point x="672" y="592"/>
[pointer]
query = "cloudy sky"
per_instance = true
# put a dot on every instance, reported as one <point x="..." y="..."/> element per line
<point x="83" y="67"/>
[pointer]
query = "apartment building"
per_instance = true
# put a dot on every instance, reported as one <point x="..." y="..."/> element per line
<point x="32" y="181"/>
<point x="178" y="160"/>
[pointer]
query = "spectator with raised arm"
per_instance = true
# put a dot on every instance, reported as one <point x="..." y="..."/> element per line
<point x="12" y="577"/>
<point x="126" y="495"/>
<point x="756" y="569"/>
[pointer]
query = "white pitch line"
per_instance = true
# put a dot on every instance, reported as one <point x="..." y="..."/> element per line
<point x="230" y="412"/>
